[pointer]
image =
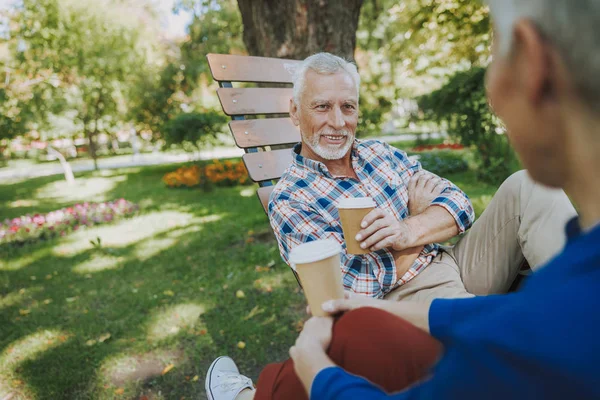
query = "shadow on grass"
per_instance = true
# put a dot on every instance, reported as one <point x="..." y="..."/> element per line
<point x="161" y="290"/>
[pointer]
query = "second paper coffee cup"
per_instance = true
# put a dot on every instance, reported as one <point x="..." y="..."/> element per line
<point x="318" y="266"/>
<point x="352" y="211"/>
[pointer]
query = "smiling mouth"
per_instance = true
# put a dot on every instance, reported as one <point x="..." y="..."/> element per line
<point x="334" y="138"/>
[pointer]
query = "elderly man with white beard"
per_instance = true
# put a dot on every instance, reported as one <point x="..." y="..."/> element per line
<point x="415" y="209"/>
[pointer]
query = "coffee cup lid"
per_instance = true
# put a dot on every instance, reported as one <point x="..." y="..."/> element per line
<point x="316" y="250"/>
<point x="356" y="202"/>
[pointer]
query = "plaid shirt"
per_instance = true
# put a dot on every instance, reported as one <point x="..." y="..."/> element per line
<point x="303" y="208"/>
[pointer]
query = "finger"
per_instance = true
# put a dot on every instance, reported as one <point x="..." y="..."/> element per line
<point x="431" y="183"/>
<point x="308" y="310"/>
<point x="377" y="237"/>
<point x="371" y="217"/>
<point x="371" y="229"/>
<point x="337" y="306"/>
<point x="413" y="181"/>
<point x="385" y="243"/>
<point x="423" y="180"/>
<point x="293" y="352"/>
<point x="440" y="187"/>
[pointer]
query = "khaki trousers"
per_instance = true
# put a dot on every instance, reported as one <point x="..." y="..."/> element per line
<point x="524" y="221"/>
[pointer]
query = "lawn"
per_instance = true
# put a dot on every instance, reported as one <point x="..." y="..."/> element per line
<point x="143" y="315"/>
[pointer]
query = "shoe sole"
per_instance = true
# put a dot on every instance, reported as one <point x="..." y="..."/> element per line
<point x="209" y="393"/>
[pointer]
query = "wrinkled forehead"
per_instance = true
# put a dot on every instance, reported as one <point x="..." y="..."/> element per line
<point x="336" y="86"/>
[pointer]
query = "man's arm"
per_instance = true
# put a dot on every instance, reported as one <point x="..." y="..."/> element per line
<point x="296" y="222"/>
<point x="433" y="225"/>
<point x="446" y="215"/>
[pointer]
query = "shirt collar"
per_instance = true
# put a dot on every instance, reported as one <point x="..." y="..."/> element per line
<point x="317" y="166"/>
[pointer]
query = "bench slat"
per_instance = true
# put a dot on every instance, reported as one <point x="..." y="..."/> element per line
<point x="264" y="132"/>
<point x="263" y="195"/>
<point x="232" y="68"/>
<point x="267" y="165"/>
<point x="252" y="101"/>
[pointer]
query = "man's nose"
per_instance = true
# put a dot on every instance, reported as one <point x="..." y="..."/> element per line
<point x="337" y="119"/>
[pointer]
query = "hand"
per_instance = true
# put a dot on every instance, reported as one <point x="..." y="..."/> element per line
<point x="342" y="305"/>
<point x="423" y="188"/>
<point x="347" y="295"/>
<point x="310" y="351"/>
<point x="316" y="334"/>
<point x="381" y="230"/>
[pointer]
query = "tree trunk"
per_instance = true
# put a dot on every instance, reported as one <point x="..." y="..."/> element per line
<point x="298" y="28"/>
<point x="64" y="163"/>
<point x="92" y="145"/>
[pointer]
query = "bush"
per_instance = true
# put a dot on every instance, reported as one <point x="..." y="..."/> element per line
<point x="462" y="105"/>
<point x="443" y="162"/>
<point x="192" y="130"/>
<point x="372" y="113"/>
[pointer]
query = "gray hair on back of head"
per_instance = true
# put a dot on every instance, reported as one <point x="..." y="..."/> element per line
<point x="322" y="63"/>
<point x="571" y="26"/>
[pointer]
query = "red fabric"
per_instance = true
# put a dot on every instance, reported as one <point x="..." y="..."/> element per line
<point x="367" y="342"/>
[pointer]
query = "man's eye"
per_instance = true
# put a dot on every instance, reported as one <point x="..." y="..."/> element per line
<point x="322" y="107"/>
<point x="349" y="106"/>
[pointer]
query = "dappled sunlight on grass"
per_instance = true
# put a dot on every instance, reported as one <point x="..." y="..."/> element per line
<point x="130" y="369"/>
<point x="14" y="264"/>
<point x="151" y="247"/>
<point x="84" y="189"/>
<point x="125" y="232"/>
<point x="23" y="203"/>
<point x="99" y="262"/>
<point x="25" y="349"/>
<point x="248" y="192"/>
<point x="273" y="281"/>
<point x="18" y="296"/>
<point x="171" y="320"/>
<point x="30" y="346"/>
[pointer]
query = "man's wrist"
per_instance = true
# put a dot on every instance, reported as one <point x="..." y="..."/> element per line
<point x="415" y="231"/>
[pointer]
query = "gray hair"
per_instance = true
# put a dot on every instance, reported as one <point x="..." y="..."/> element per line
<point x="571" y="26"/>
<point x="322" y="63"/>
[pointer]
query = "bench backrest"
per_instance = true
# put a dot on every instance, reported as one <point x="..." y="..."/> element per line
<point x="257" y="124"/>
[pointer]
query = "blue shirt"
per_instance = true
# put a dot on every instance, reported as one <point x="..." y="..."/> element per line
<point x="303" y="207"/>
<point x="542" y="342"/>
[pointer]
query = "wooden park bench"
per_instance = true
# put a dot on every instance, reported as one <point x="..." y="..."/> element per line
<point x="260" y="115"/>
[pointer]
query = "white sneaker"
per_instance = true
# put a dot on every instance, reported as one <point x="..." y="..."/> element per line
<point x="224" y="381"/>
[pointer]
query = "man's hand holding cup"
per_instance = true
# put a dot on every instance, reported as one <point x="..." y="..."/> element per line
<point x="381" y="230"/>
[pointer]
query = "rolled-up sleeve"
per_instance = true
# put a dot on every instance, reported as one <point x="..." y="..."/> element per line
<point x="452" y="199"/>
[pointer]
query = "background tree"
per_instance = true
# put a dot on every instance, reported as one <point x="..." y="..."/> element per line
<point x="84" y="56"/>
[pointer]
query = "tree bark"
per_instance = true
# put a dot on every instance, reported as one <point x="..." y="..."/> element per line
<point x="298" y="28"/>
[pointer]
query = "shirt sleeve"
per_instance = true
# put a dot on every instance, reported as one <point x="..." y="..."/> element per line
<point x="294" y="223"/>
<point x="446" y="314"/>
<point x="452" y="199"/>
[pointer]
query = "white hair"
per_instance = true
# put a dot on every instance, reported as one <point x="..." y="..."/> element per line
<point x="322" y="63"/>
<point x="570" y="25"/>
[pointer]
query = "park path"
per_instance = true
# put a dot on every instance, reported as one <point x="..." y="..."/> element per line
<point x="145" y="159"/>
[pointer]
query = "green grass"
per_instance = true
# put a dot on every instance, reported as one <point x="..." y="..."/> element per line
<point x="163" y="286"/>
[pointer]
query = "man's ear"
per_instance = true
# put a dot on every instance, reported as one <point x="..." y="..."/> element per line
<point x="294" y="112"/>
<point x="532" y="60"/>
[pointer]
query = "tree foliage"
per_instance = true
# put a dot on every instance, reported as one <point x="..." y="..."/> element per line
<point x="462" y="105"/>
<point x="192" y="130"/>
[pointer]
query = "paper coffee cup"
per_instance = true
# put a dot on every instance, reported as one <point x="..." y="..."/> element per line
<point x="352" y="211"/>
<point x="318" y="266"/>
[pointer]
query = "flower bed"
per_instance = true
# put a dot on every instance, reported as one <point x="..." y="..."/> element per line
<point x="226" y="173"/>
<point x="27" y="229"/>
